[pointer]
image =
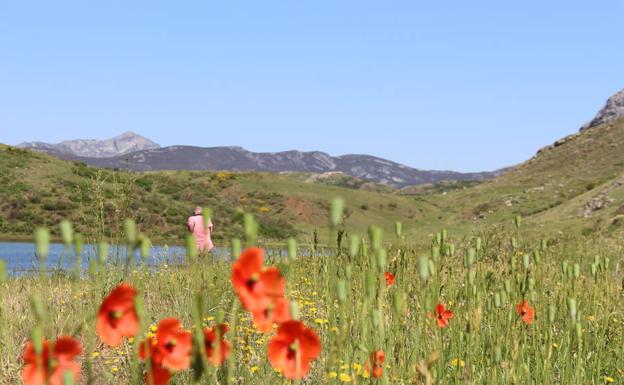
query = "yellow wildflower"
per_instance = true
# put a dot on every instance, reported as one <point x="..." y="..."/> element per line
<point x="344" y="377"/>
<point x="458" y="362"/>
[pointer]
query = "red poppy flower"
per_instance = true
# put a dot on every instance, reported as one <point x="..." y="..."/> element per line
<point x="171" y="347"/>
<point x="156" y="374"/>
<point x="389" y="279"/>
<point x="216" y="350"/>
<point x="117" y="317"/>
<point x="376" y="360"/>
<point x="253" y="283"/>
<point x="293" y="348"/>
<point x="526" y="312"/>
<point x="50" y="366"/>
<point x="277" y="311"/>
<point x="443" y="315"/>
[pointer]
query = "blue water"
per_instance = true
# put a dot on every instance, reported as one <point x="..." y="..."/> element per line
<point x="20" y="257"/>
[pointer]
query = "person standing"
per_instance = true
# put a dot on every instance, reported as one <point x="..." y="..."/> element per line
<point x="201" y="232"/>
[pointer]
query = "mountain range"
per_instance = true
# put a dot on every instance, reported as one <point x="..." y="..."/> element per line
<point x="573" y="187"/>
<point x="137" y="153"/>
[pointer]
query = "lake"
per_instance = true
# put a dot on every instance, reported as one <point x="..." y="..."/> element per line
<point x="20" y="256"/>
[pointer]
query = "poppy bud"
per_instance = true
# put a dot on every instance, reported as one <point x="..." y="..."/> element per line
<point x="572" y="308"/>
<point x="37" y="307"/>
<point x="341" y="288"/>
<point x="370" y="284"/>
<point x="398" y="229"/>
<point x="397" y="302"/>
<point x="435" y="253"/>
<point x="364" y="247"/>
<point x="508" y="286"/>
<point x="145" y="246"/>
<point x="531" y="284"/>
<point x="577" y="270"/>
<point x="292" y="248"/>
<point x="451" y="250"/>
<point x="444" y="235"/>
<point x="220" y="316"/>
<point x="37" y="339"/>
<point x="102" y="252"/>
<point x="138" y="306"/>
<point x="518" y="221"/>
<point x="543" y="245"/>
<point x="78" y="244"/>
<point x="354" y="246"/>
<point x="191" y="248"/>
<point x="349" y="272"/>
<point x="497" y="300"/>
<point x="438" y="239"/>
<point x="471" y="277"/>
<point x="596" y="260"/>
<point x="374" y="235"/>
<point x="594" y="269"/>
<point x="294" y="310"/>
<point x="552" y="312"/>
<point x="606" y="264"/>
<point x="423" y="267"/>
<point x="130" y="231"/>
<point x="336" y="211"/>
<point x="537" y="256"/>
<point x="579" y="330"/>
<point x="525" y="261"/>
<point x="514" y="243"/>
<point x="92" y="267"/>
<point x="478" y="243"/>
<point x="251" y="228"/>
<point x="381" y="258"/>
<point x="564" y="267"/>
<point x="470" y="257"/>
<point x="376" y="318"/>
<point x="236" y="248"/>
<point x="42" y="240"/>
<point x="503" y="296"/>
<point x="498" y="354"/>
<point x="67" y="232"/>
<point x="431" y="266"/>
<point x="207" y="216"/>
<point x="3" y="273"/>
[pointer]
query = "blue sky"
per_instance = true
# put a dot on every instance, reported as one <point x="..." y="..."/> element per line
<point x="444" y="85"/>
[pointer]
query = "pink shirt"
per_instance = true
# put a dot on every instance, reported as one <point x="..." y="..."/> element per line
<point x="201" y="234"/>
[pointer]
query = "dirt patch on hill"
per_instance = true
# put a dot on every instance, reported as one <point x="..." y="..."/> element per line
<point x="306" y="210"/>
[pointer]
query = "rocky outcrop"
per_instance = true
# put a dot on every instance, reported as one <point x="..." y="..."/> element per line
<point x="612" y="111"/>
<point x="93" y="148"/>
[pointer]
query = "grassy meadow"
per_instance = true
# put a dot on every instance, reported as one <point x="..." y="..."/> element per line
<point x="563" y="255"/>
<point x="574" y="284"/>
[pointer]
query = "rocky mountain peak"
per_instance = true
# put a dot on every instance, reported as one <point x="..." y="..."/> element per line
<point x="94" y="148"/>
<point x="613" y="110"/>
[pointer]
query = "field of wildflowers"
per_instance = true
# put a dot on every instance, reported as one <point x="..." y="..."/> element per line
<point x="493" y="308"/>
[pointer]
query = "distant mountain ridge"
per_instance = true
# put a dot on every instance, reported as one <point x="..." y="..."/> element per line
<point x="94" y="148"/>
<point x="238" y="159"/>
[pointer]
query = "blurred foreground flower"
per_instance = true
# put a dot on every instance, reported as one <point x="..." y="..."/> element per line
<point x="117" y="317"/>
<point x="293" y="348"/>
<point x="48" y="367"/>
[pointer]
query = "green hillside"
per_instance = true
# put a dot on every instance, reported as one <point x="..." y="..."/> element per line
<point x="576" y="185"/>
<point x="554" y="187"/>
<point x="38" y="189"/>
